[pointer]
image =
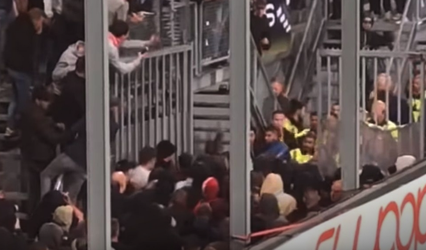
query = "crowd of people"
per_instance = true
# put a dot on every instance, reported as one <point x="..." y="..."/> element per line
<point x="161" y="201"/>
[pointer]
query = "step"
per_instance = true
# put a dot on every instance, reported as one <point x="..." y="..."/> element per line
<point x="213" y="99"/>
<point x="379" y="25"/>
<point x="333" y="42"/>
<point x="209" y="124"/>
<point x="15" y="155"/>
<point x="210" y="135"/>
<point x="15" y="196"/>
<point x="211" y="113"/>
<point x="199" y="147"/>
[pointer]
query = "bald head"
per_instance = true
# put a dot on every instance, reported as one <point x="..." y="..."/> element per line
<point x="277" y="87"/>
<point x="379" y="110"/>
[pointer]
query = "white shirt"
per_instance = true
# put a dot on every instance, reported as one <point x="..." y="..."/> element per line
<point x="52" y="6"/>
<point x="139" y="177"/>
<point x="184" y="183"/>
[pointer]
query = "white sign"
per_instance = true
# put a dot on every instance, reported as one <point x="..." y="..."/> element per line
<point x="394" y="221"/>
<point x="275" y="15"/>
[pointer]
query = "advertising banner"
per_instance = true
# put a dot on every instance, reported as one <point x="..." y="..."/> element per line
<point x="395" y="220"/>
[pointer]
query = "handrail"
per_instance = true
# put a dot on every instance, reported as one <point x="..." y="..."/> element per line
<point x="302" y="45"/>
<point x="255" y="106"/>
<point x="314" y="58"/>
<point x="263" y="72"/>
<point x="259" y="73"/>
<point x="399" y="35"/>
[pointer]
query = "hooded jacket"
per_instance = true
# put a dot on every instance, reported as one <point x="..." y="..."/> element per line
<point x="273" y="184"/>
<point x="67" y="61"/>
<point x="279" y="150"/>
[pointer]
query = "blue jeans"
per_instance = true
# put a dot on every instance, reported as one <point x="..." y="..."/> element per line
<point x="21" y="83"/>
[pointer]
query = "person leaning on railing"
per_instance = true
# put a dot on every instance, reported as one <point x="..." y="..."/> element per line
<point x="259" y="26"/>
<point x="118" y="34"/>
<point x="378" y="119"/>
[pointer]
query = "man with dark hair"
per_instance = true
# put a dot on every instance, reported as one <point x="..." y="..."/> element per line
<point x="165" y="153"/>
<point x="70" y="105"/>
<point x="274" y="146"/>
<point x="39" y="138"/>
<point x="19" y="54"/>
<point x="138" y="176"/>
<point x="72" y="163"/>
<point x="118" y="34"/>
<point x="313" y="122"/>
<point x="259" y="26"/>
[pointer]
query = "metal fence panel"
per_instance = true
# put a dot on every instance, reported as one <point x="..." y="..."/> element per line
<point x="378" y="146"/>
<point x="156" y="103"/>
<point x="214" y="31"/>
<point x="403" y="105"/>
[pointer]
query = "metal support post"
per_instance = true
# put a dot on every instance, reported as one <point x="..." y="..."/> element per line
<point x="240" y="117"/>
<point x="97" y="124"/>
<point x="349" y="121"/>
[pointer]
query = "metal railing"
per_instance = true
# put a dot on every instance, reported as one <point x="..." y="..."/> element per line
<point x="420" y="11"/>
<point x="213" y="31"/>
<point x="262" y="95"/>
<point x="156" y="102"/>
<point x="310" y="39"/>
<point x="404" y="108"/>
<point x="405" y="21"/>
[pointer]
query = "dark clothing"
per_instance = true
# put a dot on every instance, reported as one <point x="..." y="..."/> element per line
<point x="40" y="136"/>
<point x="20" y="46"/>
<point x="120" y="246"/>
<point x="6" y="5"/>
<point x="73" y="10"/>
<point x="44" y="211"/>
<point x="284" y="103"/>
<point x="259" y="28"/>
<point x="374" y="40"/>
<point x="77" y="150"/>
<point x="400" y="5"/>
<point x="70" y="106"/>
<point x="184" y="219"/>
<point x="36" y="4"/>
<point x="136" y="6"/>
<point x="9" y="240"/>
<point x="375" y="6"/>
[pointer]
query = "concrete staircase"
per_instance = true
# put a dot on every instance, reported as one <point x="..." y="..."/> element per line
<point x="325" y="82"/>
<point x="211" y="115"/>
<point x="10" y="159"/>
<point x="333" y="35"/>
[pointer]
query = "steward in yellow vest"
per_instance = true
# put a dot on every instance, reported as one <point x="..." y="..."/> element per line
<point x="306" y="152"/>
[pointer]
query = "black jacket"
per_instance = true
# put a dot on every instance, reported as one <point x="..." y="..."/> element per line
<point x="259" y="28"/>
<point x="77" y="150"/>
<point x="40" y="136"/>
<point x="20" y="46"/>
<point x="6" y="5"/>
<point x="70" y="106"/>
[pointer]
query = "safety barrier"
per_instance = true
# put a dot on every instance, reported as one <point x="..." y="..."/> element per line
<point x="214" y="31"/>
<point x="420" y="11"/>
<point x="396" y="127"/>
<point x="305" y="58"/>
<point x="156" y="102"/>
<point x="261" y="90"/>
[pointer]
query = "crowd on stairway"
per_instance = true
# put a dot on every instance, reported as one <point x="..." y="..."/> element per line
<point x="163" y="200"/>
